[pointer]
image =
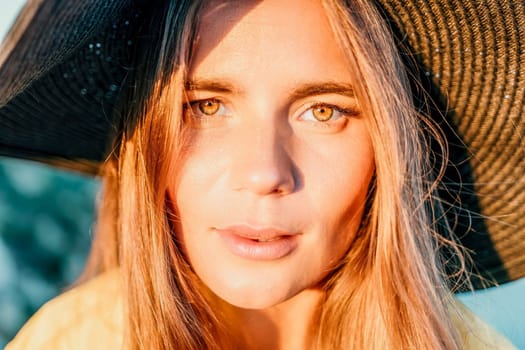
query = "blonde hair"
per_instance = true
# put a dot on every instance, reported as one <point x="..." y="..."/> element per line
<point x="387" y="293"/>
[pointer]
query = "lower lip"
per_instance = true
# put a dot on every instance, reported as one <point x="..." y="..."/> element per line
<point x="254" y="250"/>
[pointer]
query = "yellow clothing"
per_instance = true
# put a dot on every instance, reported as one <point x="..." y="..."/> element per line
<point x="90" y="317"/>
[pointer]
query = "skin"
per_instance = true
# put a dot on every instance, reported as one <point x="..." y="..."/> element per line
<point x="261" y="159"/>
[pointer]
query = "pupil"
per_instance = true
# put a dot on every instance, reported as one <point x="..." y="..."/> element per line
<point x="209" y="107"/>
<point x="323" y="113"/>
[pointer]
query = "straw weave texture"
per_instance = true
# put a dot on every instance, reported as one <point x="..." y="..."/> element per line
<point x="473" y="54"/>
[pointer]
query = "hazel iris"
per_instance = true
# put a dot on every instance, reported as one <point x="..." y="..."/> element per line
<point x="209" y="107"/>
<point x="323" y="113"/>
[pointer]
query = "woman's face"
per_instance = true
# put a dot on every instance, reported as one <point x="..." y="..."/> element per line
<point x="272" y="189"/>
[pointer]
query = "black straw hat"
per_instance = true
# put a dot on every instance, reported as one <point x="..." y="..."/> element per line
<point x="65" y="65"/>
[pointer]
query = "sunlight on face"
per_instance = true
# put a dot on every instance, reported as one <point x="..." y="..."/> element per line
<point x="272" y="191"/>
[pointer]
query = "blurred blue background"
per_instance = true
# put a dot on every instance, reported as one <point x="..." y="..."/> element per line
<point x="45" y="224"/>
<point x="46" y="216"/>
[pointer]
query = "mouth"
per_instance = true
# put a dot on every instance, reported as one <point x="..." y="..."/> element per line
<point x="267" y="239"/>
<point x="257" y="234"/>
<point x="258" y="244"/>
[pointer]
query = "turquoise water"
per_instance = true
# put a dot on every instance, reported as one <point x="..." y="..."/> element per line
<point x="502" y="307"/>
<point x="8" y="11"/>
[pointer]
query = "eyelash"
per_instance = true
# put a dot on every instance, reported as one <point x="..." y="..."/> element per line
<point x="189" y="106"/>
<point x="343" y="112"/>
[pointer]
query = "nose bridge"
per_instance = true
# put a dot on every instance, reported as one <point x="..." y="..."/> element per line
<point x="262" y="162"/>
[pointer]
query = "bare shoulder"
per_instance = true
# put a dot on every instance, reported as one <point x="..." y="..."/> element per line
<point x="477" y="334"/>
<point x="88" y="316"/>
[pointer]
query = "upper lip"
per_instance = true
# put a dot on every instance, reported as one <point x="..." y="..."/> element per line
<point x="260" y="234"/>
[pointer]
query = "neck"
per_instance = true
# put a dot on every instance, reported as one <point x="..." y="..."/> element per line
<point x="289" y="325"/>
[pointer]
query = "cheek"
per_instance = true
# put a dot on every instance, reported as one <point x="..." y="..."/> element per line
<point x="191" y="193"/>
<point x="188" y="188"/>
<point x="199" y="169"/>
<point x="338" y="175"/>
<point x="337" y="181"/>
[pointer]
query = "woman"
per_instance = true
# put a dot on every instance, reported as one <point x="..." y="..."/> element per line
<point x="270" y="186"/>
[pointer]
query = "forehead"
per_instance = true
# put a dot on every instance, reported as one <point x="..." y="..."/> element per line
<point x="218" y="15"/>
<point x="264" y="34"/>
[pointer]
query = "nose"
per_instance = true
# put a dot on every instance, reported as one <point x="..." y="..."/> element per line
<point x="262" y="163"/>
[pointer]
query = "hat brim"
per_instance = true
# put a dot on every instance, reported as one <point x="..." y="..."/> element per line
<point x="61" y="86"/>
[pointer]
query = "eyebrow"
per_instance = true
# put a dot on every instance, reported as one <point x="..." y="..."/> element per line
<point x="212" y="85"/>
<point x="322" y="88"/>
<point x="304" y="90"/>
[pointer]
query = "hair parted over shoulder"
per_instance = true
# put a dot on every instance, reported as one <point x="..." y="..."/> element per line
<point x="389" y="292"/>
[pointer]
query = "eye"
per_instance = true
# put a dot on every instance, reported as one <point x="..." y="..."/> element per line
<point x="206" y="108"/>
<point x="325" y="113"/>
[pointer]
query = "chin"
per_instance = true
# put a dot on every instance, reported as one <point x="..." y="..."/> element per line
<point x="258" y="298"/>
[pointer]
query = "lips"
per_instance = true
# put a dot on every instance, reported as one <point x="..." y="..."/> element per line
<point x="258" y="244"/>
<point x="267" y="234"/>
